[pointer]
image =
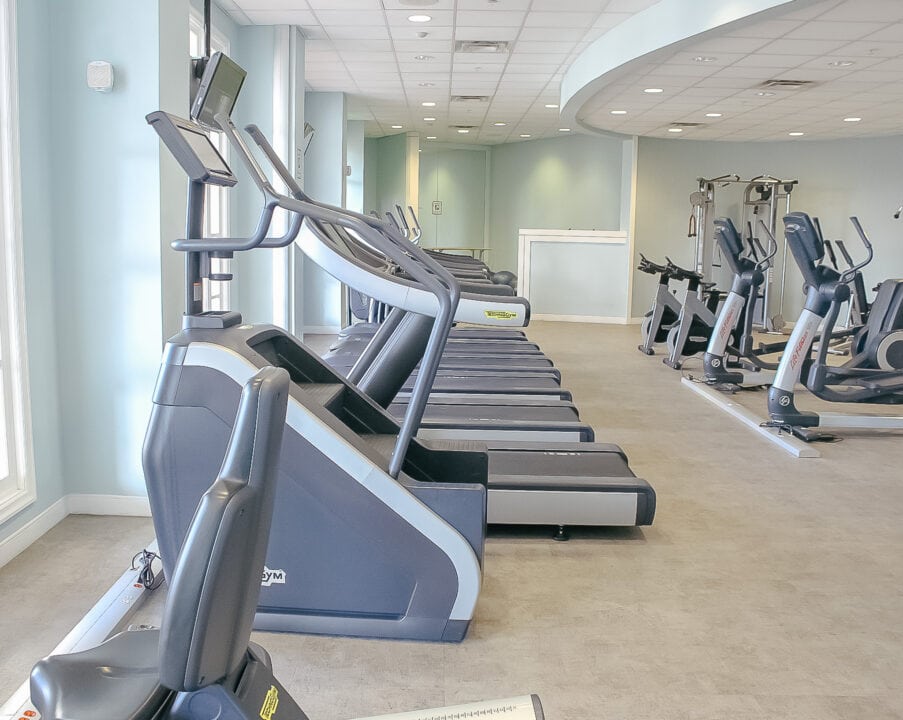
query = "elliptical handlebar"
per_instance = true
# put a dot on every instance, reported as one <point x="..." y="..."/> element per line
<point x="848" y="274"/>
<point x="763" y="264"/>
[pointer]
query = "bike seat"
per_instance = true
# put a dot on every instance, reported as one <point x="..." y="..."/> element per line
<point x="121" y="675"/>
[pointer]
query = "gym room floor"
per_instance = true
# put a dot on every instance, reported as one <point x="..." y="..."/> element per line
<point x="769" y="587"/>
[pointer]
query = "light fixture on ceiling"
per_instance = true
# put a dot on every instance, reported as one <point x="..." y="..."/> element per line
<point x="713" y="115"/>
<point x="704" y="59"/>
<point x="618" y="112"/>
<point x="397" y="127"/>
<point x="419" y="18"/>
<point x="429" y="119"/>
<point x="841" y="63"/>
<point x="525" y="135"/>
<point x="564" y="129"/>
<point x="430" y="137"/>
<point x="762" y="93"/>
<point x="499" y="124"/>
<point x="551" y="106"/>
<point x="428" y="104"/>
<point x="796" y="134"/>
<point x="463" y="131"/>
<point x="852" y="119"/>
<point x="424" y="57"/>
<point x="426" y="84"/>
<point x="675" y="130"/>
<point x="653" y="91"/>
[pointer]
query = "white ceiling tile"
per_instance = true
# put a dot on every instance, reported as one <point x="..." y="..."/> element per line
<point x="375" y="32"/>
<point x="848" y="31"/>
<point x="631" y="6"/>
<point x="729" y="44"/>
<point x="401" y="5"/>
<point x="349" y="19"/>
<point x="506" y="34"/>
<point x="484" y="4"/>
<point x="533" y="46"/>
<point x="554" y="34"/>
<point x="890" y="33"/>
<point x="423" y="47"/>
<point x="282" y="17"/>
<point x="880" y="11"/>
<point x="363" y="45"/>
<point x="247" y="5"/>
<point x="560" y="19"/>
<point x="440" y="18"/>
<point x="867" y="48"/>
<point x="786" y="46"/>
<point x="345" y="4"/>
<point x="768" y="29"/>
<point x="405" y="32"/>
<point x="490" y="18"/>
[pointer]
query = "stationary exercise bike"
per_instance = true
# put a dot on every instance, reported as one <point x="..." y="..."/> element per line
<point x="665" y="308"/>
<point x="872" y="375"/>
<point x="698" y="314"/>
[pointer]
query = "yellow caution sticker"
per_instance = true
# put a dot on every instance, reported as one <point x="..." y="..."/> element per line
<point x="270" y="703"/>
<point x="500" y="314"/>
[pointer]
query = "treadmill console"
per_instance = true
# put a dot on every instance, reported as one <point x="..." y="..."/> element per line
<point x="191" y="146"/>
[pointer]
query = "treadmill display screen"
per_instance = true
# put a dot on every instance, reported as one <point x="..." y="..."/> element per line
<point x="218" y="91"/>
<point x="207" y="154"/>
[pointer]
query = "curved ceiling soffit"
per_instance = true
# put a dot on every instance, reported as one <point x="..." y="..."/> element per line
<point x="658" y="31"/>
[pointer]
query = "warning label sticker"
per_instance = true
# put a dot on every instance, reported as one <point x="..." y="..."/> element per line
<point x="270" y="703"/>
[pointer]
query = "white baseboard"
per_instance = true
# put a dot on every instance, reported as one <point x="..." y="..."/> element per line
<point x="31" y="531"/>
<point x="21" y="539"/>
<point x="581" y="319"/>
<point x="636" y="320"/>
<point x="124" y="505"/>
<point x="319" y="330"/>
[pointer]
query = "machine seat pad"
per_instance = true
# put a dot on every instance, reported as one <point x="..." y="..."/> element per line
<point x="119" y="679"/>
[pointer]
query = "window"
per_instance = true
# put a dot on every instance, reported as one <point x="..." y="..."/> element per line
<point x="17" y="488"/>
<point x="216" y="221"/>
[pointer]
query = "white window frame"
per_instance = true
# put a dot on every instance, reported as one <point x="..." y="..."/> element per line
<point x="216" y="294"/>
<point x="17" y="489"/>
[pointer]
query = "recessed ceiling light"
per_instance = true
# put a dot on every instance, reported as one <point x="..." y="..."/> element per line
<point x="852" y="119"/>
<point x="424" y="57"/>
<point x="463" y="131"/>
<point x="397" y="127"/>
<point x="419" y="18"/>
<point x="618" y="112"/>
<point x="704" y="58"/>
<point x="499" y="124"/>
<point x="426" y="84"/>
<point x="564" y="129"/>
<point x="765" y="94"/>
<point x="841" y="63"/>
<point x="796" y="134"/>
<point x="653" y="91"/>
<point x="429" y="119"/>
<point x="428" y="104"/>
<point x="675" y="130"/>
<point x="713" y="114"/>
<point x="525" y="135"/>
<point x="430" y="137"/>
<point x="551" y="106"/>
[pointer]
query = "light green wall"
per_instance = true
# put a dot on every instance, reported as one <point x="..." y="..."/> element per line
<point x="457" y="178"/>
<point x="837" y="179"/>
<point x="371" y="174"/>
<point x="569" y="182"/>
<point x="391" y="159"/>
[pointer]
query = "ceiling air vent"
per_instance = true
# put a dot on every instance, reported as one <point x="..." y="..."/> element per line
<point x="469" y="98"/>
<point x="462" y="127"/>
<point x="686" y="124"/>
<point x="481" y="46"/>
<point x="786" y="84"/>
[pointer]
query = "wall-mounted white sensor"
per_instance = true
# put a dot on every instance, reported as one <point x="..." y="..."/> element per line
<point x="100" y="76"/>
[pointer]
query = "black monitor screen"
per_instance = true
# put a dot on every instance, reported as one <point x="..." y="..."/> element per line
<point x="203" y="148"/>
<point x="218" y="90"/>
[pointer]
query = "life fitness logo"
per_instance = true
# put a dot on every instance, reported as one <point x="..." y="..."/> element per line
<point x="272" y="577"/>
<point x="728" y="324"/>
<point x="797" y="354"/>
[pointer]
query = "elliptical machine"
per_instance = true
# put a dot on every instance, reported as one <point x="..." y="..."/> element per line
<point x="738" y="312"/>
<point x="873" y="375"/>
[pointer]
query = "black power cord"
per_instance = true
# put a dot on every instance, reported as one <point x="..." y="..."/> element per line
<point x="143" y="562"/>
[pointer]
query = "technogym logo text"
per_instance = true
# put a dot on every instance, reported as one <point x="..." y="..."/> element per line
<point x="272" y="577"/>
